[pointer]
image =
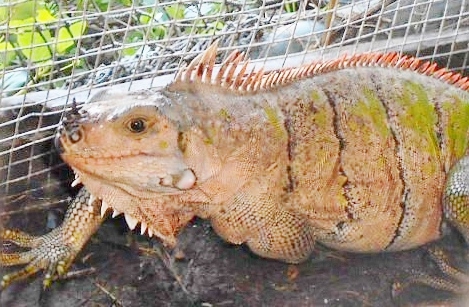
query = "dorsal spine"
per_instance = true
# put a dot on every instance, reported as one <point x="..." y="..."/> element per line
<point x="232" y="74"/>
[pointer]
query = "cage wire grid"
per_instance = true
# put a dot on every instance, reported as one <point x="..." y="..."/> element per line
<point x="51" y="52"/>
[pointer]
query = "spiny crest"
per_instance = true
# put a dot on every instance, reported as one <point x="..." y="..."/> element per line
<point x="232" y="74"/>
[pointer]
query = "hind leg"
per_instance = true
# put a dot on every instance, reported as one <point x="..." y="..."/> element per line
<point x="456" y="211"/>
<point x="456" y="197"/>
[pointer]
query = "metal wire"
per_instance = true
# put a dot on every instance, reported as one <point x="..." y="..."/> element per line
<point x="133" y="44"/>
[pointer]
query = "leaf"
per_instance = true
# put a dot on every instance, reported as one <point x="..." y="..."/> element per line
<point x="4" y="14"/>
<point x="176" y="11"/>
<point x="291" y="6"/>
<point x="44" y="16"/>
<point x="23" y="10"/>
<point x="144" y="19"/>
<point x="64" y="41"/>
<point x="103" y="5"/>
<point x="22" y="25"/>
<point x="44" y="70"/>
<point x="33" y="45"/>
<point x="68" y="34"/>
<point x="158" y="32"/>
<point x="19" y="11"/>
<point x="78" y="28"/>
<point x="126" y="2"/>
<point x="6" y="54"/>
<point x="13" y="81"/>
<point x="133" y="37"/>
<point x="218" y="25"/>
<point x="213" y="27"/>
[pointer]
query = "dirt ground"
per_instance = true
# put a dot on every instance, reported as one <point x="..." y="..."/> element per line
<point x="131" y="270"/>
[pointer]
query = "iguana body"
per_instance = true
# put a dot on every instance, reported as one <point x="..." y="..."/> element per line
<point x="353" y="153"/>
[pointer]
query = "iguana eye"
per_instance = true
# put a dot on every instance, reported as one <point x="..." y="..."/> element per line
<point x="137" y="125"/>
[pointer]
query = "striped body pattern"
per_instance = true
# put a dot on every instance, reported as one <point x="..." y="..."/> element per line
<point x="370" y="151"/>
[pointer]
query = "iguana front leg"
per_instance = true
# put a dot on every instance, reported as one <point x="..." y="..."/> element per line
<point x="256" y="217"/>
<point x="53" y="252"/>
<point x="277" y="235"/>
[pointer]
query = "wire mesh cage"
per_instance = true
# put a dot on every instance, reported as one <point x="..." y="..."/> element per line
<point x="54" y="51"/>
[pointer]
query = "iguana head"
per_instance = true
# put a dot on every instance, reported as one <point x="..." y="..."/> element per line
<point x="126" y="152"/>
<point x="126" y="142"/>
<point x="151" y="154"/>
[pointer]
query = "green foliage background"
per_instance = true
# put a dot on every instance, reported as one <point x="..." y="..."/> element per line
<point x="48" y="37"/>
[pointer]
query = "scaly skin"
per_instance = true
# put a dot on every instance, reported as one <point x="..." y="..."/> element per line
<point x="355" y="153"/>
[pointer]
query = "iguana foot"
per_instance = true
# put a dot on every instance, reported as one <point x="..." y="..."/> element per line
<point x="53" y="252"/>
<point x="48" y="253"/>
<point x="457" y="282"/>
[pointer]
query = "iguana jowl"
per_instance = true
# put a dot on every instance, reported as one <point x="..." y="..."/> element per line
<point x="365" y="153"/>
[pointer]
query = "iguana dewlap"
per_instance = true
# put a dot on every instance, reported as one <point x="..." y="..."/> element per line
<point x="365" y="153"/>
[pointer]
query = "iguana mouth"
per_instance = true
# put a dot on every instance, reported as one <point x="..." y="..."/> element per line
<point x="168" y="184"/>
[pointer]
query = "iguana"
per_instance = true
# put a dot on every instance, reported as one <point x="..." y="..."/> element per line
<point x="364" y="153"/>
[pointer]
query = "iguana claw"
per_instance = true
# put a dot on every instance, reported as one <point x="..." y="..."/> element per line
<point x="53" y="252"/>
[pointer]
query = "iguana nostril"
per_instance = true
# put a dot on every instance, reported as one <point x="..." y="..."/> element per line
<point x="167" y="181"/>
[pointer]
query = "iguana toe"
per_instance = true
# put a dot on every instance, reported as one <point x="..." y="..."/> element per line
<point x="48" y="252"/>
